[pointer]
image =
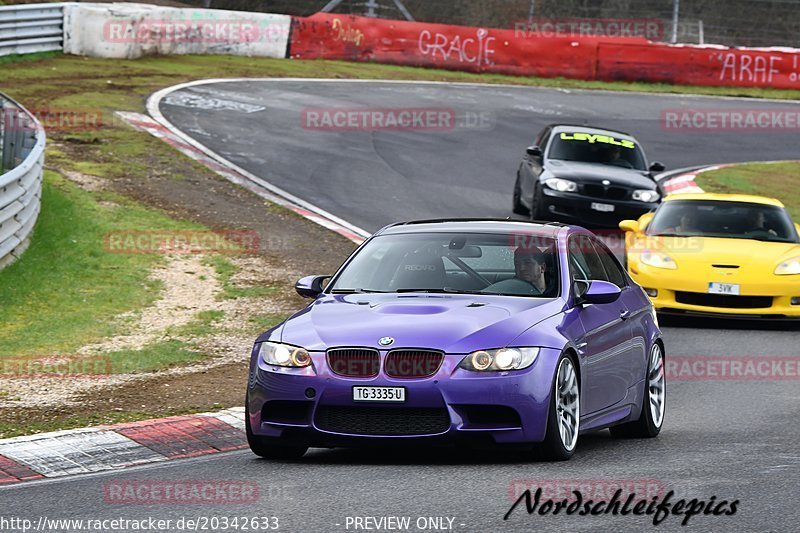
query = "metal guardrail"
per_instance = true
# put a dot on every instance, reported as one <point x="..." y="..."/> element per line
<point x="30" y="28"/>
<point x="22" y="140"/>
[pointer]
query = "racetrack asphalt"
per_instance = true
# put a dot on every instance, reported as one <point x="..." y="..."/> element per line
<point x="732" y="439"/>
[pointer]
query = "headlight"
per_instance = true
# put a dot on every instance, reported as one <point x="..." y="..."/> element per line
<point x="646" y="196"/>
<point x="788" y="267"/>
<point x="274" y="353"/>
<point x="658" y="260"/>
<point x="561" y="185"/>
<point x="499" y="360"/>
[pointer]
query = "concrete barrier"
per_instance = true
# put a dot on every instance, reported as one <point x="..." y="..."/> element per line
<point x="129" y="31"/>
<point x="502" y="51"/>
<point x="351" y="38"/>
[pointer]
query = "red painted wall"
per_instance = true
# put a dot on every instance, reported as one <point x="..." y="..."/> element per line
<point x="442" y="46"/>
<point x="326" y="36"/>
<point x="694" y="65"/>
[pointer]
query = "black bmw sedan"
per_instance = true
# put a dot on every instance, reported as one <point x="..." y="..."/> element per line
<point x="590" y="176"/>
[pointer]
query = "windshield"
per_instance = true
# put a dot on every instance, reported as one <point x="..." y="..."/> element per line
<point x="597" y="148"/>
<point x="454" y="263"/>
<point x="732" y="220"/>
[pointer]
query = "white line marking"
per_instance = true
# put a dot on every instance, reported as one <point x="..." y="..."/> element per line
<point x="153" y="108"/>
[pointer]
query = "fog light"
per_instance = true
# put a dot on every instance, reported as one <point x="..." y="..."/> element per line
<point x="795" y="300"/>
<point x="652" y="293"/>
<point x="310" y="393"/>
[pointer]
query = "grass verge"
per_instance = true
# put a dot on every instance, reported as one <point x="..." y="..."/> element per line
<point x="66" y="289"/>
<point x="779" y="180"/>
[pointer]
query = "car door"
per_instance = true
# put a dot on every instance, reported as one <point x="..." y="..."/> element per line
<point x="638" y="311"/>
<point x="604" y="344"/>
<point x="531" y="167"/>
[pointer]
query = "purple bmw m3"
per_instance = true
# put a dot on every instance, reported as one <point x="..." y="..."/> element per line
<point x="438" y="332"/>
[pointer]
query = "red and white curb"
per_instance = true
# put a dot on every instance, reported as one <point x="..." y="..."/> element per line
<point x="241" y="177"/>
<point x="685" y="182"/>
<point x="80" y="451"/>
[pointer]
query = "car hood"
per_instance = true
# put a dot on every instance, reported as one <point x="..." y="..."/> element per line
<point x="697" y="251"/>
<point x="453" y="323"/>
<point x="596" y="173"/>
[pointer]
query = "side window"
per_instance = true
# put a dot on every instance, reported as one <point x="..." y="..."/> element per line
<point x="577" y="267"/>
<point x="543" y="139"/>
<point x="612" y="266"/>
<point x="585" y="261"/>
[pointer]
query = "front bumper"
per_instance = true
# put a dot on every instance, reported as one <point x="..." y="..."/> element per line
<point x="497" y="407"/>
<point x="577" y="208"/>
<point x="674" y="285"/>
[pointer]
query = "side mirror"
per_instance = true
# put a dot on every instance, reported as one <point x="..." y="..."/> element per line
<point x="657" y="166"/>
<point x="629" y="225"/>
<point x="533" y="151"/>
<point x="601" y="292"/>
<point x="310" y="286"/>
<point x="580" y="286"/>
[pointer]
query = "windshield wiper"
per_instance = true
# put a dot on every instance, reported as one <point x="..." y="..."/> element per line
<point x="463" y="291"/>
<point x="673" y="234"/>
<point x="773" y="238"/>
<point x="354" y="291"/>
<point x="420" y="290"/>
<point x="443" y="290"/>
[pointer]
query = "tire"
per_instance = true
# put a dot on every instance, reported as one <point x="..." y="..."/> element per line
<point x="558" y="445"/>
<point x="270" y="447"/>
<point x="654" y="401"/>
<point x="537" y="211"/>
<point x="518" y="208"/>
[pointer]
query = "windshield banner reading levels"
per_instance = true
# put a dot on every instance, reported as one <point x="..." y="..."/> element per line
<point x="593" y="138"/>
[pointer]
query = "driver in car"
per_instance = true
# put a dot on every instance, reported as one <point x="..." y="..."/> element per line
<point x="613" y="156"/>
<point x="759" y="224"/>
<point x="530" y="266"/>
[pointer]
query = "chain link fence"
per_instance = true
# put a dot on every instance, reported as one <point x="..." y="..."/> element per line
<point x="727" y="22"/>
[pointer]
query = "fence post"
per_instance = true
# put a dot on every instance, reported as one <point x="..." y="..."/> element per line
<point x="2" y="130"/>
<point x="675" y="19"/>
<point x="9" y="133"/>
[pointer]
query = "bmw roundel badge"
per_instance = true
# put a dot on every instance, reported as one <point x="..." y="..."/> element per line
<point x="385" y="341"/>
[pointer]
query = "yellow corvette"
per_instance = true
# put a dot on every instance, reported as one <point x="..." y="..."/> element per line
<point x="717" y="254"/>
